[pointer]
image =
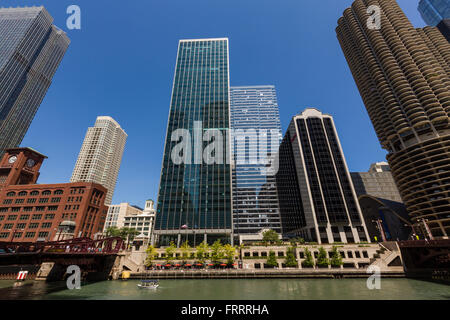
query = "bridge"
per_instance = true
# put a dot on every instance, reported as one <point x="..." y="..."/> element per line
<point x="94" y="257"/>
<point x="428" y="259"/>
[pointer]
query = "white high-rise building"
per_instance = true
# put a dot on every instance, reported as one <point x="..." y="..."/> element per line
<point x="117" y="213"/>
<point x="101" y="154"/>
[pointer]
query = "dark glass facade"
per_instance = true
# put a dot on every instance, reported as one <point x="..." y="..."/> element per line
<point x="317" y="198"/>
<point x="31" y="49"/>
<point x="194" y="200"/>
<point x="434" y="11"/>
<point x="254" y="111"/>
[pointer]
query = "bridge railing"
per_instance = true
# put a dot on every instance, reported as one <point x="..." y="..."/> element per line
<point x="76" y="245"/>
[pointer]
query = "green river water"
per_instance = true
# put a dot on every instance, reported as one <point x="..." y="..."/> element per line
<point x="232" y="289"/>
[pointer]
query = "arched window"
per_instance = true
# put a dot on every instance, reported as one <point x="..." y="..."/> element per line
<point x="34" y="193"/>
<point x="46" y="192"/>
<point x="58" y="192"/>
<point x="11" y="194"/>
<point x="22" y="193"/>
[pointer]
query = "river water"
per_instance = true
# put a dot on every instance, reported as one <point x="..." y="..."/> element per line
<point x="232" y="289"/>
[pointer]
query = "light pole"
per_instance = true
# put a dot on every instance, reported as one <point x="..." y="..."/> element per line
<point x="427" y="228"/>
<point x="380" y="228"/>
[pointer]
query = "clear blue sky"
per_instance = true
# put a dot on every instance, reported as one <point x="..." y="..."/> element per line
<point x="121" y="64"/>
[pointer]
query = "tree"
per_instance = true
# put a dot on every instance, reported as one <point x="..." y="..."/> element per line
<point x="185" y="251"/>
<point x="322" y="260"/>
<point x="272" y="260"/>
<point x="308" y="262"/>
<point x="336" y="258"/>
<point x="270" y="236"/>
<point x="170" y="252"/>
<point x="201" y="251"/>
<point x="290" y="260"/>
<point x="217" y="252"/>
<point x="229" y="253"/>
<point x="151" y="254"/>
<point x="113" y="232"/>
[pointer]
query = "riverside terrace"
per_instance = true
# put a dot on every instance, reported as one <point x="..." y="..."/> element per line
<point x="356" y="258"/>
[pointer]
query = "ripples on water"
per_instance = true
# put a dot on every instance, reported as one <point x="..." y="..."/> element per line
<point x="232" y="289"/>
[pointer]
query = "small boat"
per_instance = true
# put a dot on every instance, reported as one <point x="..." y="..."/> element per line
<point x="148" y="284"/>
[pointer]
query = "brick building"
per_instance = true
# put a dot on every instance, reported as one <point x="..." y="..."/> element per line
<point x="41" y="212"/>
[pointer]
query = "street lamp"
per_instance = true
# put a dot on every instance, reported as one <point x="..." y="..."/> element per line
<point x="380" y="228"/>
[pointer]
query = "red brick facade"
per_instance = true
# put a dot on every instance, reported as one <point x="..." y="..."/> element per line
<point x="32" y="212"/>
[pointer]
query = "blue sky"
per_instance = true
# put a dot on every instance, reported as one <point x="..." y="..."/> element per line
<point x="121" y="64"/>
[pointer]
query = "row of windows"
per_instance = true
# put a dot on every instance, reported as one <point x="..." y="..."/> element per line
<point x="32" y="200"/>
<point x="42" y="234"/>
<point x="33" y="193"/>
<point x="28" y="209"/>
<point x="14" y="217"/>
<point x="34" y="225"/>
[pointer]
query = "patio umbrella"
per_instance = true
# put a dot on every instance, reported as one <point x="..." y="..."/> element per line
<point x="158" y="265"/>
<point x="177" y="265"/>
<point x="199" y="264"/>
<point x="187" y="265"/>
<point x="210" y="264"/>
<point x="168" y="265"/>
<point x="223" y="264"/>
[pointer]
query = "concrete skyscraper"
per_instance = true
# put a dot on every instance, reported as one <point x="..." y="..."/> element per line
<point x="31" y="49"/>
<point x="254" y="110"/>
<point x="403" y="76"/>
<point x="315" y="190"/>
<point x="194" y="198"/>
<point x="101" y="154"/>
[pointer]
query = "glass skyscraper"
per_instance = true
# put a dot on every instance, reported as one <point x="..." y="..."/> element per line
<point x="254" y="110"/>
<point x="194" y="200"/>
<point x="31" y="49"/>
<point x="434" y="11"/>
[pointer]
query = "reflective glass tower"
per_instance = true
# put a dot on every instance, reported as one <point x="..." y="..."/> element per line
<point x="194" y="199"/>
<point x="434" y="11"/>
<point x="254" y="110"/>
<point x="31" y="49"/>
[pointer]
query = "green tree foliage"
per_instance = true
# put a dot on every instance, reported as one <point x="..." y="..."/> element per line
<point x="336" y="258"/>
<point x="151" y="255"/>
<point x="322" y="260"/>
<point x="309" y="261"/>
<point x="217" y="252"/>
<point x="170" y="251"/>
<point x="202" y="251"/>
<point x="113" y="232"/>
<point x="270" y="236"/>
<point x="229" y="253"/>
<point x="272" y="260"/>
<point x="185" y="251"/>
<point x="290" y="260"/>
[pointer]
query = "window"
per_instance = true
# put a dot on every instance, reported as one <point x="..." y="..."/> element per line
<point x="4" y="209"/>
<point x="52" y="208"/>
<point x="15" y="209"/>
<point x="12" y="217"/>
<point x="7" y="201"/>
<point x="50" y="216"/>
<point x="43" y="234"/>
<point x="18" y="234"/>
<point x="28" y="209"/>
<point x="34" y="193"/>
<point x="37" y="217"/>
<point x="40" y="208"/>
<point x="22" y="193"/>
<point x="46" y="225"/>
<point x="19" y="201"/>
<point x="46" y="193"/>
<point x="4" y="235"/>
<point x="8" y="226"/>
<point x="58" y="192"/>
<point x="24" y="217"/>
<point x="30" y="234"/>
<point x="21" y="225"/>
<point x="57" y="199"/>
<point x="43" y="200"/>
<point x="31" y="200"/>
<point x="33" y="225"/>
<point x="11" y="194"/>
